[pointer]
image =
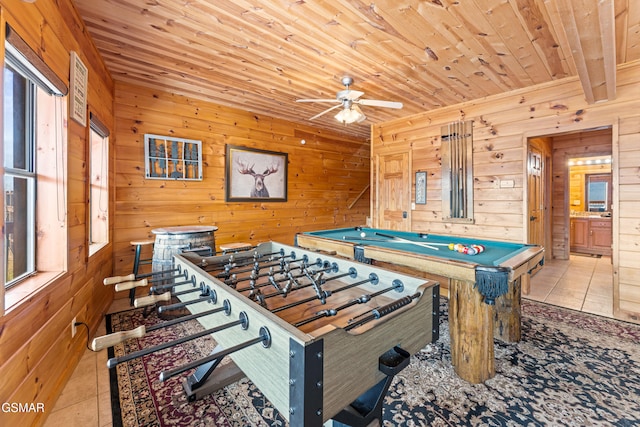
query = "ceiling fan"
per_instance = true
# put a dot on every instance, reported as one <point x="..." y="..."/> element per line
<point x="349" y="100"/>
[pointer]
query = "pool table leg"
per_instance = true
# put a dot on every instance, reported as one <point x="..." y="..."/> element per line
<point x="525" y="283"/>
<point x="471" y="332"/>
<point x="508" y="313"/>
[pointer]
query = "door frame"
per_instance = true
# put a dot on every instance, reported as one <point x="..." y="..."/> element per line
<point x="615" y="219"/>
<point x="376" y="212"/>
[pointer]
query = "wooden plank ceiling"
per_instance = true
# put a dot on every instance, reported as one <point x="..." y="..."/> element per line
<point x="261" y="56"/>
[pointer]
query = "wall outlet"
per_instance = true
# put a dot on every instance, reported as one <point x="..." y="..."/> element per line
<point x="73" y="327"/>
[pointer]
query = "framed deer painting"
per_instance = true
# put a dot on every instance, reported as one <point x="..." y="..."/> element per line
<point x="253" y="174"/>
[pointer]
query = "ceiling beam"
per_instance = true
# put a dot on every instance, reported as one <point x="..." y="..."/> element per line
<point x="592" y="44"/>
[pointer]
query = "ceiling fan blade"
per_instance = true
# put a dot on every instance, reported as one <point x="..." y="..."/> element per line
<point x="326" y="111"/>
<point x="377" y="103"/>
<point x="316" y="100"/>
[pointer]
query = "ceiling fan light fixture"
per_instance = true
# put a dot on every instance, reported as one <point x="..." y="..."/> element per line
<point x="350" y="115"/>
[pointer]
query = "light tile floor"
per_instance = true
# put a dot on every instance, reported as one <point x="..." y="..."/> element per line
<point x="86" y="399"/>
<point x="581" y="283"/>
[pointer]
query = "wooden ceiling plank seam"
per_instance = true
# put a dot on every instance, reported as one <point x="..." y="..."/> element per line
<point x="553" y="15"/>
<point x="129" y="70"/>
<point x="459" y="66"/>
<point x="502" y="15"/>
<point x="261" y="56"/>
<point x="407" y="72"/>
<point x="363" y="52"/>
<point x="409" y="28"/>
<point x="435" y="90"/>
<point x="540" y="35"/>
<point x="307" y="62"/>
<point x="485" y="38"/>
<point x="561" y="45"/>
<point x="360" y="77"/>
<point x="232" y="70"/>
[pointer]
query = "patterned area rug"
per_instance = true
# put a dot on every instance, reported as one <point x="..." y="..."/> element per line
<point x="570" y="369"/>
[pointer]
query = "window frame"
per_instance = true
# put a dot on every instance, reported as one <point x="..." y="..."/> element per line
<point x="100" y="130"/>
<point x="47" y="187"/>
<point x="27" y="172"/>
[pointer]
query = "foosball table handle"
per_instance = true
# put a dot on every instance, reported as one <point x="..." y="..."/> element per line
<point x="151" y="299"/>
<point x="110" y="340"/>
<point x="118" y="279"/>
<point x="123" y="286"/>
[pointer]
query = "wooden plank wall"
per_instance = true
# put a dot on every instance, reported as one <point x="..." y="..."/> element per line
<point x="326" y="175"/>
<point x="502" y="125"/>
<point x="37" y="353"/>
<point x="627" y="181"/>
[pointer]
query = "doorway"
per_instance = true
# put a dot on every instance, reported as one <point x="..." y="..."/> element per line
<point x="550" y="205"/>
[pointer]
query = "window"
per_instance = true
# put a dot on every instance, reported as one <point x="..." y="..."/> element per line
<point x="34" y="185"/>
<point x="457" y="171"/>
<point x="99" y="185"/>
<point x="172" y="158"/>
<point x="19" y="176"/>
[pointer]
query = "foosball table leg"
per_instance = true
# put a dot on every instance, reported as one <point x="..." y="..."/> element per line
<point x="367" y="409"/>
<point x="201" y="383"/>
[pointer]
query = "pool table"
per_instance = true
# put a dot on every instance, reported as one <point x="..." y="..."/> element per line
<point x="484" y="289"/>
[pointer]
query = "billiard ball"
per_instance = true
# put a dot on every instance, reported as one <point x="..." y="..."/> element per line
<point x="363" y="234"/>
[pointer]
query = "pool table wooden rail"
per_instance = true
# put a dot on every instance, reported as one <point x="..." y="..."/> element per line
<point x="472" y="323"/>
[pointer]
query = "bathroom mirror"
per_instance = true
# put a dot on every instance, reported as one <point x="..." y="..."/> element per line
<point x="597" y="192"/>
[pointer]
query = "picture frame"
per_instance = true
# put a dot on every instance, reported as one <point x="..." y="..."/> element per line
<point x="167" y="157"/>
<point x="421" y="188"/>
<point x="78" y="80"/>
<point x="255" y="175"/>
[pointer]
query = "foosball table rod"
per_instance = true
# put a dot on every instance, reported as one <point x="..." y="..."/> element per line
<point x="264" y="338"/>
<point x="165" y="297"/>
<point x="131" y="277"/>
<point x="242" y="321"/>
<point x="168" y="286"/>
<point x="110" y="340"/>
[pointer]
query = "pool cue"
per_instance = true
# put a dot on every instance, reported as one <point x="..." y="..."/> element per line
<point x="366" y="239"/>
<point x="413" y="242"/>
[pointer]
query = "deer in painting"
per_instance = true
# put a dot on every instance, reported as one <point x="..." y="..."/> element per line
<point x="259" y="189"/>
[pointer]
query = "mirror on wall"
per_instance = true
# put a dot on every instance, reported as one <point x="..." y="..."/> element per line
<point x="597" y="192"/>
<point x="590" y="184"/>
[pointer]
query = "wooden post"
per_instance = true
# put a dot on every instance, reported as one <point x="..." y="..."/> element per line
<point x="507" y="313"/>
<point x="471" y="331"/>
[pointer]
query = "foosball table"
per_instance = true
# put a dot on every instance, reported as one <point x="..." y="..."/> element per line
<point x="320" y="336"/>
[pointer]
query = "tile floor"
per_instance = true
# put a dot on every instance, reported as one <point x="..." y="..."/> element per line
<point x="581" y="283"/>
